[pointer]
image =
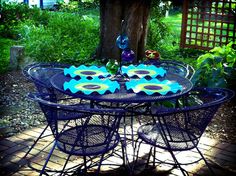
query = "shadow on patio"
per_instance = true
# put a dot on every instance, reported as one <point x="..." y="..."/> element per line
<point x="222" y="158"/>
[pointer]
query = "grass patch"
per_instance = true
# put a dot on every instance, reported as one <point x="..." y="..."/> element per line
<point x="169" y="45"/>
<point x="5" y="53"/>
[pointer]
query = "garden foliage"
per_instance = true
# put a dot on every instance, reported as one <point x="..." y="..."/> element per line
<point x="13" y="14"/>
<point x="49" y="36"/>
<point x="71" y="35"/>
<point x="68" y="38"/>
<point x="216" y="68"/>
<point x="5" y="45"/>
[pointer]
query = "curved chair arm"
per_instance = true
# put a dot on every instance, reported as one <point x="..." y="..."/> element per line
<point x="80" y="107"/>
<point x="30" y="71"/>
<point x="175" y="67"/>
<point x="216" y="96"/>
<point x="26" y="69"/>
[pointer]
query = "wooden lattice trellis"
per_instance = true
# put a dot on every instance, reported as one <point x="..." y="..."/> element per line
<point x="206" y="24"/>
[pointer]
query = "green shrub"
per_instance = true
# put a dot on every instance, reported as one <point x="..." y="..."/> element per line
<point x="84" y="6"/>
<point x="13" y="14"/>
<point x="157" y="29"/>
<point x="67" y="37"/>
<point x="5" y="45"/>
<point x="216" y="68"/>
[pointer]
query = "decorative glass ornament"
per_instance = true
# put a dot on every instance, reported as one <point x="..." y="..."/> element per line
<point x="127" y="55"/>
<point x="112" y="66"/>
<point x="122" y="41"/>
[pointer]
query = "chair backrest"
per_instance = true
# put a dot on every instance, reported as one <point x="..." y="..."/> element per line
<point x="40" y="74"/>
<point x="184" y="126"/>
<point x="176" y="67"/>
<point x="99" y="125"/>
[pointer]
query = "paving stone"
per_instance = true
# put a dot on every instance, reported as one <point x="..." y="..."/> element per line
<point x="231" y="148"/>
<point x="208" y="141"/>
<point x="24" y="137"/>
<point x="14" y="149"/>
<point x="227" y="158"/>
<point x="31" y="133"/>
<point x="28" y="172"/>
<point x="9" y="167"/>
<point x="204" y="147"/>
<point x="15" y="139"/>
<point x="3" y="148"/>
<point x="17" y="174"/>
<point x="39" y="129"/>
<point x="7" y="143"/>
<point x="222" y="145"/>
<point x="21" y="153"/>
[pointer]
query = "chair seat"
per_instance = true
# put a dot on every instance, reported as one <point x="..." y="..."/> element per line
<point x="180" y="139"/>
<point x="93" y="138"/>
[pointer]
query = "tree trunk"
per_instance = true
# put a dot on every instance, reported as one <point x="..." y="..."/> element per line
<point x="135" y="14"/>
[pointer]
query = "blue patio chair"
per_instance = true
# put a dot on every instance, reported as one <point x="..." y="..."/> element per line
<point x="180" y="129"/>
<point x="90" y="132"/>
<point x="174" y="67"/>
<point x="40" y="74"/>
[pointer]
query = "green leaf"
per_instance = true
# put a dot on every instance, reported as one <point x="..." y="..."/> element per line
<point x="218" y="59"/>
<point x="216" y="50"/>
<point x="168" y="104"/>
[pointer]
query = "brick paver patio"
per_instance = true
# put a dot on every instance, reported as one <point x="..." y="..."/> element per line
<point x="222" y="157"/>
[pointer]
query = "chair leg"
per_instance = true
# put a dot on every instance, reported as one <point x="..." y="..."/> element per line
<point x="184" y="172"/>
<point x="123" y="145"/>
<point x="135" y="157"/>
<point x="65" y="164"/>
<point x="99" y="165"/>
<point x="154" y="157"/>
<point x="209" y="167"/>
<point x="32" y="146"/>
<point x="149" y="156"/>
<point x="85" y="164"/>
<point x="49" y="155"/>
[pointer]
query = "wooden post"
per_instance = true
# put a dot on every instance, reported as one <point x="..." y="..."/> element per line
<point x="184" y="23"/>
<point x="16" y="56"/>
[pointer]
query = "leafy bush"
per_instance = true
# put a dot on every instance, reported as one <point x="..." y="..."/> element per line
<point x="89" y="3"/>
<point x="77" y="6"/>
<point x="67" y="37"/>
<point x="13" y="14"/>
<point x="216" y="68"/>
<point x="5" y="54"/>
<point x="157" y="29"/>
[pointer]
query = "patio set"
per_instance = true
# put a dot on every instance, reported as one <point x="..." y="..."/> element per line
<point x="91" y="111"/>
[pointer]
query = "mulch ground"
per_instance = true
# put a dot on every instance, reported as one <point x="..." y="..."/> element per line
<point x="21" y="113"/>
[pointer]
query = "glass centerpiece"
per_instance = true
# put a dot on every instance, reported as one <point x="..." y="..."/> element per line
<point x="127" y="56"/>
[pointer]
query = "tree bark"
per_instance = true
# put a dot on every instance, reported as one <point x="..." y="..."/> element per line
<point x="135" y="14"/>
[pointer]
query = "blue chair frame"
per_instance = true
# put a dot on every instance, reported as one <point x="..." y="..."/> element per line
<point x="180" y="129"/>
<point x="94" y="131"/>
<point x="175" y="67"/>
<point x="40" y="74"/>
